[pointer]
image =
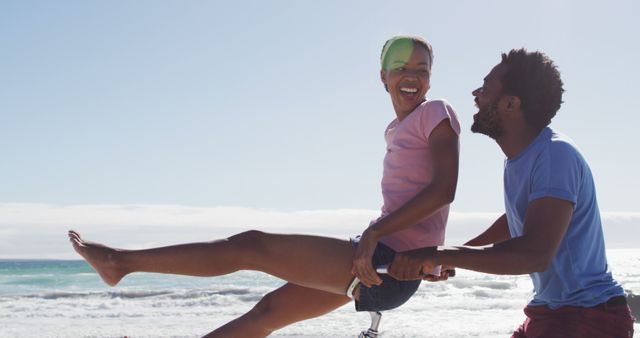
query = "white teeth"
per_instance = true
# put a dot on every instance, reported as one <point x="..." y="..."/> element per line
<point x="409" y="90"/>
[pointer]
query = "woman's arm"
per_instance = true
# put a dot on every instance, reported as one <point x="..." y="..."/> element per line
<point x="443" y="143"/>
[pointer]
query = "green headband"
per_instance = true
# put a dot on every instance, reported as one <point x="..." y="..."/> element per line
<point x="402" y="46"/>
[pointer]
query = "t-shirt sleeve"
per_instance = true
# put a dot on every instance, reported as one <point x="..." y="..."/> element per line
<point x="433" y="113"/>
<point x="557" y="173"/>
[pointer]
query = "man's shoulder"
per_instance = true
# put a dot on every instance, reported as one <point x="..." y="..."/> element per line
<point x="561" y="145"/>
<point x="562" y="152"/>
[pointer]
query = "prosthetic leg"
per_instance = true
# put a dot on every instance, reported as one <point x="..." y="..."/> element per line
<point x="376" y="316"/>
<point x="372" y="332"/>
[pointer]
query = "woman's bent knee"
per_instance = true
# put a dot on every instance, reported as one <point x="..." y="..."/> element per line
<point x="249" y="239"/>
<point x="251" y="248"/>
<point x="265" y="314"/>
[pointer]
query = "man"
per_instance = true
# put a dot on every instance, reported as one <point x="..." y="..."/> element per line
<point x="551" y="228"/>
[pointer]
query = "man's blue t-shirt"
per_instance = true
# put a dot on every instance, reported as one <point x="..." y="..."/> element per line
<point x="552" y="166"/>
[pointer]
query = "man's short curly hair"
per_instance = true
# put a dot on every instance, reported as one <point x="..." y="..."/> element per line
<point x="535" y="79"/>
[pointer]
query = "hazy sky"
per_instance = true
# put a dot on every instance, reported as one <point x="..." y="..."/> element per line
<point x="278" y="104"/>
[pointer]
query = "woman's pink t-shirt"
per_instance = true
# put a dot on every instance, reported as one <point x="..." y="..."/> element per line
<point x="408" y="170"/>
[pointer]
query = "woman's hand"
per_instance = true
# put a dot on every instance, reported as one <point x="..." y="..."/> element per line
<point x="362" y="266"/>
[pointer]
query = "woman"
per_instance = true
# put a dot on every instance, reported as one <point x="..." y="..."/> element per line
<point x="419" y="182"/>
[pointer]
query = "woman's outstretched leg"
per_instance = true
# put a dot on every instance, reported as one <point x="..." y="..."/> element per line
<point x="289" y="304"/>
<point x="312" y="261"/>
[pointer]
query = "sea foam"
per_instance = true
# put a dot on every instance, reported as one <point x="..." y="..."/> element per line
<point x="71" y="301"/>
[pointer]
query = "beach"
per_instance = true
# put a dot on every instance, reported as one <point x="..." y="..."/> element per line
<point x="54" y="298"/>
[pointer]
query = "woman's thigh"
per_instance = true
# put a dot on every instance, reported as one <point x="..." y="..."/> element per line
<point x="315" y="262"/>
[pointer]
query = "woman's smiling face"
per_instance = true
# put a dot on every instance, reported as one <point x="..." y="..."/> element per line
<point x="406" y="70"/>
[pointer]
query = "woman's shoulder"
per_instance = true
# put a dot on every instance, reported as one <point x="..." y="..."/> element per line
<point x="433" y="111"/>
<point x="438" y="103"/>
<point x="432" y="107"/>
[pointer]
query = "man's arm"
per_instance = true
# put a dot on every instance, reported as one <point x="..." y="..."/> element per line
<point x="497" y="232"/>
<point x="545" y="225"/>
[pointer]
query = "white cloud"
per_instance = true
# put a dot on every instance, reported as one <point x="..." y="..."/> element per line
<point x="173" y="215"/>
<point x="39" y="230"/>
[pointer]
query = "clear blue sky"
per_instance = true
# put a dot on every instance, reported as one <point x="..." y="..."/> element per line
<point x="278" y="104"/>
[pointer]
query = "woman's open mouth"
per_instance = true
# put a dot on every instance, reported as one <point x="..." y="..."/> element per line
<point x="408" y="92"/>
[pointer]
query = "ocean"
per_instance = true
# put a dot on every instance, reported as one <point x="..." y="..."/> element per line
<point x="51" y="298"/>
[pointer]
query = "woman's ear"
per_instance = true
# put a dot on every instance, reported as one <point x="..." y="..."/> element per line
<point x="383" y="78"/>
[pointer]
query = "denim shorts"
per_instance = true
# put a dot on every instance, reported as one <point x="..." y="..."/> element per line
<point x="392" y="292"/>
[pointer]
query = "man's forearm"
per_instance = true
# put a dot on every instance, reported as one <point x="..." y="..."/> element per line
<point x="507" y="258"/>
<point x="497" y="232"/>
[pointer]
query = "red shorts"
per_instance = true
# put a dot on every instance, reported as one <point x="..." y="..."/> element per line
<point x="601" y="321"/>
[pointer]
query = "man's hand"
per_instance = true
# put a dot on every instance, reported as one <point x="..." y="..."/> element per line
<point x="411" y="265"/>
<point x="445" y="272"/>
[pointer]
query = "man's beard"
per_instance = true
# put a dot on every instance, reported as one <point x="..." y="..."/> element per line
<point x="487" y="122"/>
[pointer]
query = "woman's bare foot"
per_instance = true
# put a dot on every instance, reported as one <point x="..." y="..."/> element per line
<point x="100" y="257"/>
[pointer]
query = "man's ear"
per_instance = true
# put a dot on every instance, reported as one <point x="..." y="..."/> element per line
<point x="383" y="76"/>
<point x="513" y="103"/>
